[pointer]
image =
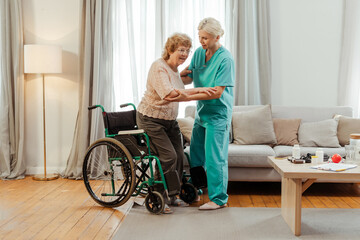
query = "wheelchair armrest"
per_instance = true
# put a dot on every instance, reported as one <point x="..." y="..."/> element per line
<point x="127" y="132"/>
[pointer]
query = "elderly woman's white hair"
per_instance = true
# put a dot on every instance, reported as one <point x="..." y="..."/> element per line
<point x="212" y="26"/>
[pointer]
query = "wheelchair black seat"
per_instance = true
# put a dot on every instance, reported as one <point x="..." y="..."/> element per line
<point x="120" y="121"/>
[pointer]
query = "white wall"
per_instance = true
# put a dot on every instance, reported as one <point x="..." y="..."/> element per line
<point x="305" y="48"/>
<point x="52" y="22"/>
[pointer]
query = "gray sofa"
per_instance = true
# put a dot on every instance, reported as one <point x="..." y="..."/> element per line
<point x="249" y="162"/>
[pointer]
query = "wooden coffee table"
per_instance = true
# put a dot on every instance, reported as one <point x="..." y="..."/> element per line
<point x="295" y="179"/>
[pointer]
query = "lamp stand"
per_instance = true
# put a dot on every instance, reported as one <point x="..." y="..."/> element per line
<point x="45" y="177"/>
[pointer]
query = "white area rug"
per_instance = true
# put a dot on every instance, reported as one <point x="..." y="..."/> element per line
<point x="238" y="223"/>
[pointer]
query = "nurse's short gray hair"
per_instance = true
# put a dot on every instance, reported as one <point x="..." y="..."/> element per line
<point x="212" y="26"/>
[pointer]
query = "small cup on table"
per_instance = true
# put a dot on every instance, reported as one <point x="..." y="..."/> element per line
<point x="350" y="154"/>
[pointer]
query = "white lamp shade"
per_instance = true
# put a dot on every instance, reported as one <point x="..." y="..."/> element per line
<point x="42" y="59"/>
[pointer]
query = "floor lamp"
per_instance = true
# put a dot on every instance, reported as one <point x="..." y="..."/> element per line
<point x="43" y="59"/>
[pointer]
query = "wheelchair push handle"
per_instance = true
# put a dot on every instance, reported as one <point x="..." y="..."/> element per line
<point x="103" y="110"/>
<point x="96" y="106"/>
<point x="128" y="104"/>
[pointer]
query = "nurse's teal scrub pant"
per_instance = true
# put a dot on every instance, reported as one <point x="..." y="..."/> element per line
<point x="209" y="148"/>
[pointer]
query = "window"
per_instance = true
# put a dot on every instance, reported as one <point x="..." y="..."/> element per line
<point x="141" y="30"/>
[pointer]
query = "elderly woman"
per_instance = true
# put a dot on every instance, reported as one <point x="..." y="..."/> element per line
<point x="211" y="66"/>
<point x="157" y="116"/>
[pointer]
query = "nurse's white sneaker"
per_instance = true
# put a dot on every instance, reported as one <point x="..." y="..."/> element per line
<point x="211" y="206"/>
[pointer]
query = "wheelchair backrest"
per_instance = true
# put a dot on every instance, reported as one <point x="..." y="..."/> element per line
<point x="120" y="121"/>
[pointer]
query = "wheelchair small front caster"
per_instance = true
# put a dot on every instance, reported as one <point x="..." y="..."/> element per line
<point x="188" y="193"/>
<point x="154" y="202"/>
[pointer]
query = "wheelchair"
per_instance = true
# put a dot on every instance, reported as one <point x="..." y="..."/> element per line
<point x="121" y="165"/>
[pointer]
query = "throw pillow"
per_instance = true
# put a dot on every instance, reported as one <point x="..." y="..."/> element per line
<point x="346" y="126"/>
<point x="253" y="127"/>
<point x="286" y="131"/>
<point x="319" y="134"/>
<point x="186" y="126"/>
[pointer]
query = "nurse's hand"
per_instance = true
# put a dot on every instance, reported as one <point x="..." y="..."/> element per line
<point x="207" y="90"/>
<point x="185" y="72"/>
<point x="184" y="76"/>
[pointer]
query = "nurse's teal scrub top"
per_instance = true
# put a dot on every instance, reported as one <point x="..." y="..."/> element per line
<point x="218" y="71"/>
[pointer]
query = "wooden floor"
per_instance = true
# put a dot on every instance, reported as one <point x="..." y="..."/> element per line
<point x="62" y="209"/>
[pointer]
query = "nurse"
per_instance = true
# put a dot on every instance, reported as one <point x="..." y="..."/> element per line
<point x="211" y="66"/>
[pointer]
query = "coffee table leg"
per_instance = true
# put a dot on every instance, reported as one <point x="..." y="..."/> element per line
<point x="291" y="191"/>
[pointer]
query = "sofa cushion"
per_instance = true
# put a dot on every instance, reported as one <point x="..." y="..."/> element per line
<point x="346" y="126"/>
<point x="245" y="155"/>
<point x="253" y="127"/>
<point x="249" y="155"/>
<point x="186" y="126"/>
<point x="286" y="131"/>
<point x="319" y="134"/>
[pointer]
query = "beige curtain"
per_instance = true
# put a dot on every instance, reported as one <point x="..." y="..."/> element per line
<point x="96" y="81"/>
<point x="248" y="27"/>
<point x="12" y="164"/>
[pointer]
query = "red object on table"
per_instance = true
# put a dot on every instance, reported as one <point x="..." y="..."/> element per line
<point x="336" y="158"/>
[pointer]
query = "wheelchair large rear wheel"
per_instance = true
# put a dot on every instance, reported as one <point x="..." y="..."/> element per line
<point x="108" y="172"/>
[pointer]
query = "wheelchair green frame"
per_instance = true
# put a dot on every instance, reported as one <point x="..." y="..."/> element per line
<point x="144" y="180"/>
